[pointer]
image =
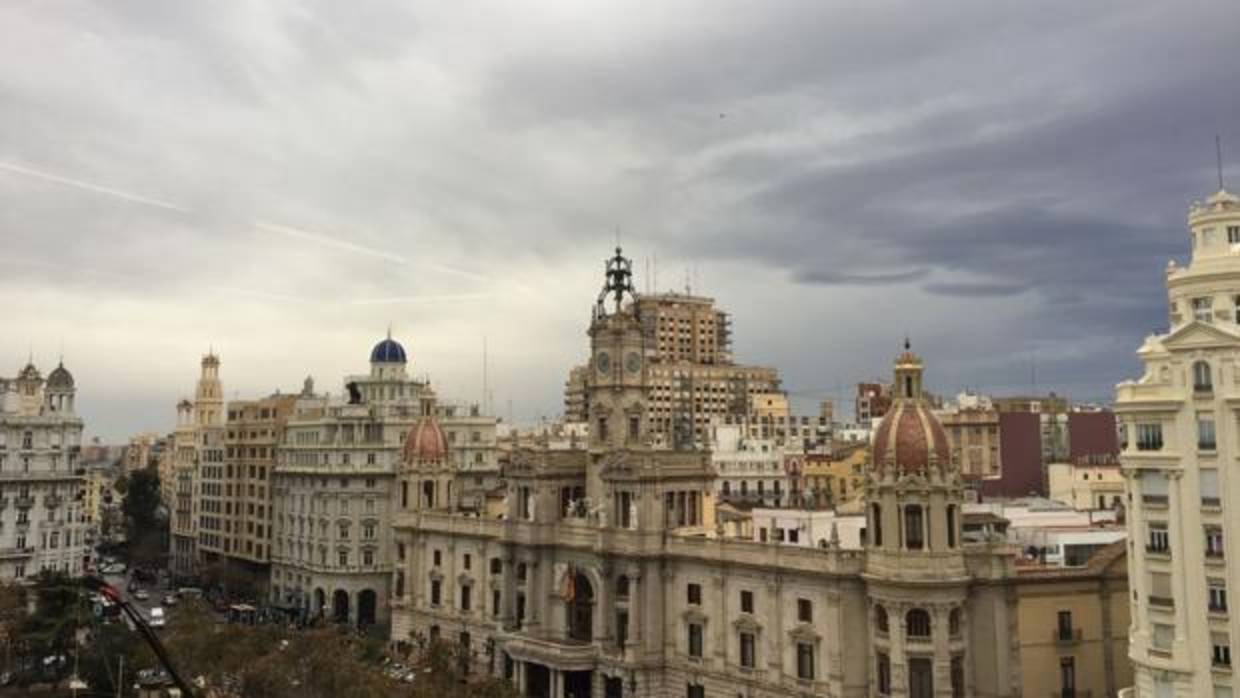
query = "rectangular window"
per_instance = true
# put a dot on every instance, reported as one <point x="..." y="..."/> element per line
<point x="1233" y="234"/>
<point x="957" y="670"/>
<point x="467" y="561"/>
<point x="1220" y="649"/>
<point x="622" y="628"/>
<point x="1160" y="589"/>
<point x="746" y="602"/>
<point x="1154" y="487"/>
<point x="1164" y="635"/>
<point x="1205" y="433"/>
<point x="883" y="670"/>
<point x="1214" y="542"/>
<point x="694" y="593"/>
<point x="1208" y="481"/>
<point x="1159" y="541"/>
<point x="495" y="605"/>
<point x="436" y="592"/>
<point x="520" y="608"/>
<point x="467" y="597"/>
<point x="695" y="640"/>
<point x="1149" y="437"/>
<point x="1067" y="676"/>
<point x="695" y="691"/>
<point x="805" y="611"/>
<point x="344" y="558"/>
<point x="805" y="660"/>
<point x="436" y="557"/>
<point x="747" y="651"/>
<point x="1201" y="309"/>
<point x="1065" y="625"/>
<point x="1218" y="595"/>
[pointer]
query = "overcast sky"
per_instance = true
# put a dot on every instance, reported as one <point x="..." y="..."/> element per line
<point x="1002" y="181"/>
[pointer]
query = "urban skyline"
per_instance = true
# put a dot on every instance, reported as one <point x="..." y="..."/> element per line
<point x="281" y="186"/>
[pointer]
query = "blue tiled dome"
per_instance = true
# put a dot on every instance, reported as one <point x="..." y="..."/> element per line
<point x="389" y="351"/>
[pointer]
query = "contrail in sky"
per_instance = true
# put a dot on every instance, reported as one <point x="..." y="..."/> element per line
<point x="88" y="186"/>
<point x="329" y="241"/>
<point x="421" y="299"/>
<point x="360" y="249"/>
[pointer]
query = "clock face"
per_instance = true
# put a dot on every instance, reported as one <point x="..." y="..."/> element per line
<point x="633" y="362"/>
<point x="603" y="362"/>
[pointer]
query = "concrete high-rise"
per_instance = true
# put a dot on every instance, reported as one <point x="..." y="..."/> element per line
<point x="692" y="377"/>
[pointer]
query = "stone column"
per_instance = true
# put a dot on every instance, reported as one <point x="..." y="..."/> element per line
<point x="773" y="634"/>
<point x="898" y="659"/>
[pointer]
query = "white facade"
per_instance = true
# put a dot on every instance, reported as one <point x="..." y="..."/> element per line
<point x="41" y="520"/>
<point x="810" y="528"/>
<point x="333" y="487"/>
<point x="1179" y="449"/>
<point x="749" y="469"/>
<point x="1086" y="486"/>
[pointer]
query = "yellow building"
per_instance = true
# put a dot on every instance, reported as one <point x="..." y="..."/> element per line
<point x="974" y="436"/>
<point x="834" y="479"/>
<point x="1073" y="625"/>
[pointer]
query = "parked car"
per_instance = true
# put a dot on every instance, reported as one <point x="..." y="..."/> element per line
<point x="170" y="600"/>
<point x="157" y="619"/>
<point x="142" y="595"/>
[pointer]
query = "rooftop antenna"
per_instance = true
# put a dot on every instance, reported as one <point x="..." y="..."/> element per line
<point x="1218" y="156"/>
<point x="655" y="273"/>
<point x="688" y="285"/>
<point x="486" y="392"/>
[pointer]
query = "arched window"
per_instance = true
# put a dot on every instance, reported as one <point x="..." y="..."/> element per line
<point x="953" y="623"/>
<point x="913" y="538"/>
<point x="497" y="565"/>
<point x="622" y="587"/>
<point x="951" y="525"/>
<point x="877" y="516"/>
<point x="1203" y="382"/>
<point x="880" y="619"/>
<point x="917" y="623"/>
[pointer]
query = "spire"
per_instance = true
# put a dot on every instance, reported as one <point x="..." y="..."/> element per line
<point x="1218" y="156"/>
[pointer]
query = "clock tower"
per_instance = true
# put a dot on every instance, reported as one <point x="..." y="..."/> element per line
<point x="616" y="385"/>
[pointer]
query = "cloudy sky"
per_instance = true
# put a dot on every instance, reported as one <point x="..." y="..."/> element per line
<point x="1002" y="181"/>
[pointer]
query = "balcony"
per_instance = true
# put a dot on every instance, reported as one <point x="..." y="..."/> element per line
<point x="52" y="501"/>
<point x="9" y="553"/>
<point x="1162" y="601"/>
<point x="1066" y="636"/>
<point x="24" y="502"/>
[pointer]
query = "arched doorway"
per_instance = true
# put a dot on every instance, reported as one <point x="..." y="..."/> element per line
<point x="581" y="609"/>
<point x="366" y="602"/>
<point x="340" y="606"/>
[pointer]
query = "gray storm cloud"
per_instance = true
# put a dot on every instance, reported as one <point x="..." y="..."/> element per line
<point x="283" y="182"/>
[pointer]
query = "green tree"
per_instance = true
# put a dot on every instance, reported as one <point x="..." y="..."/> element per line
<point x="60" y="611"/>
<point x="141" y="507"/>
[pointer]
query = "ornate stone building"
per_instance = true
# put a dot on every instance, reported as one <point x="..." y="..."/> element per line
<point x="1179" y="449"/>
<point x="42" y="525"/>
<point x="333" y="493"/>
<point x="604" y="575"/>
<point x="197" y="470"/>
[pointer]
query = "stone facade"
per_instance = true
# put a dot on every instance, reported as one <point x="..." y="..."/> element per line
<point x="1178" y="451"/>
<point x="333" y="487"/>
<point x="42" y="526"/>
<point x="605" y="575"/>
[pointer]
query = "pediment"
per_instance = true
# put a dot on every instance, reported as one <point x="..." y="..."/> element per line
<point x="1199" y="335"/>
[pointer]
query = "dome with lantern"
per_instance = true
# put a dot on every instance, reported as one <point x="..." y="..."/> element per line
<point x="910" y="439"/>
<point x="426" y="443"/>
